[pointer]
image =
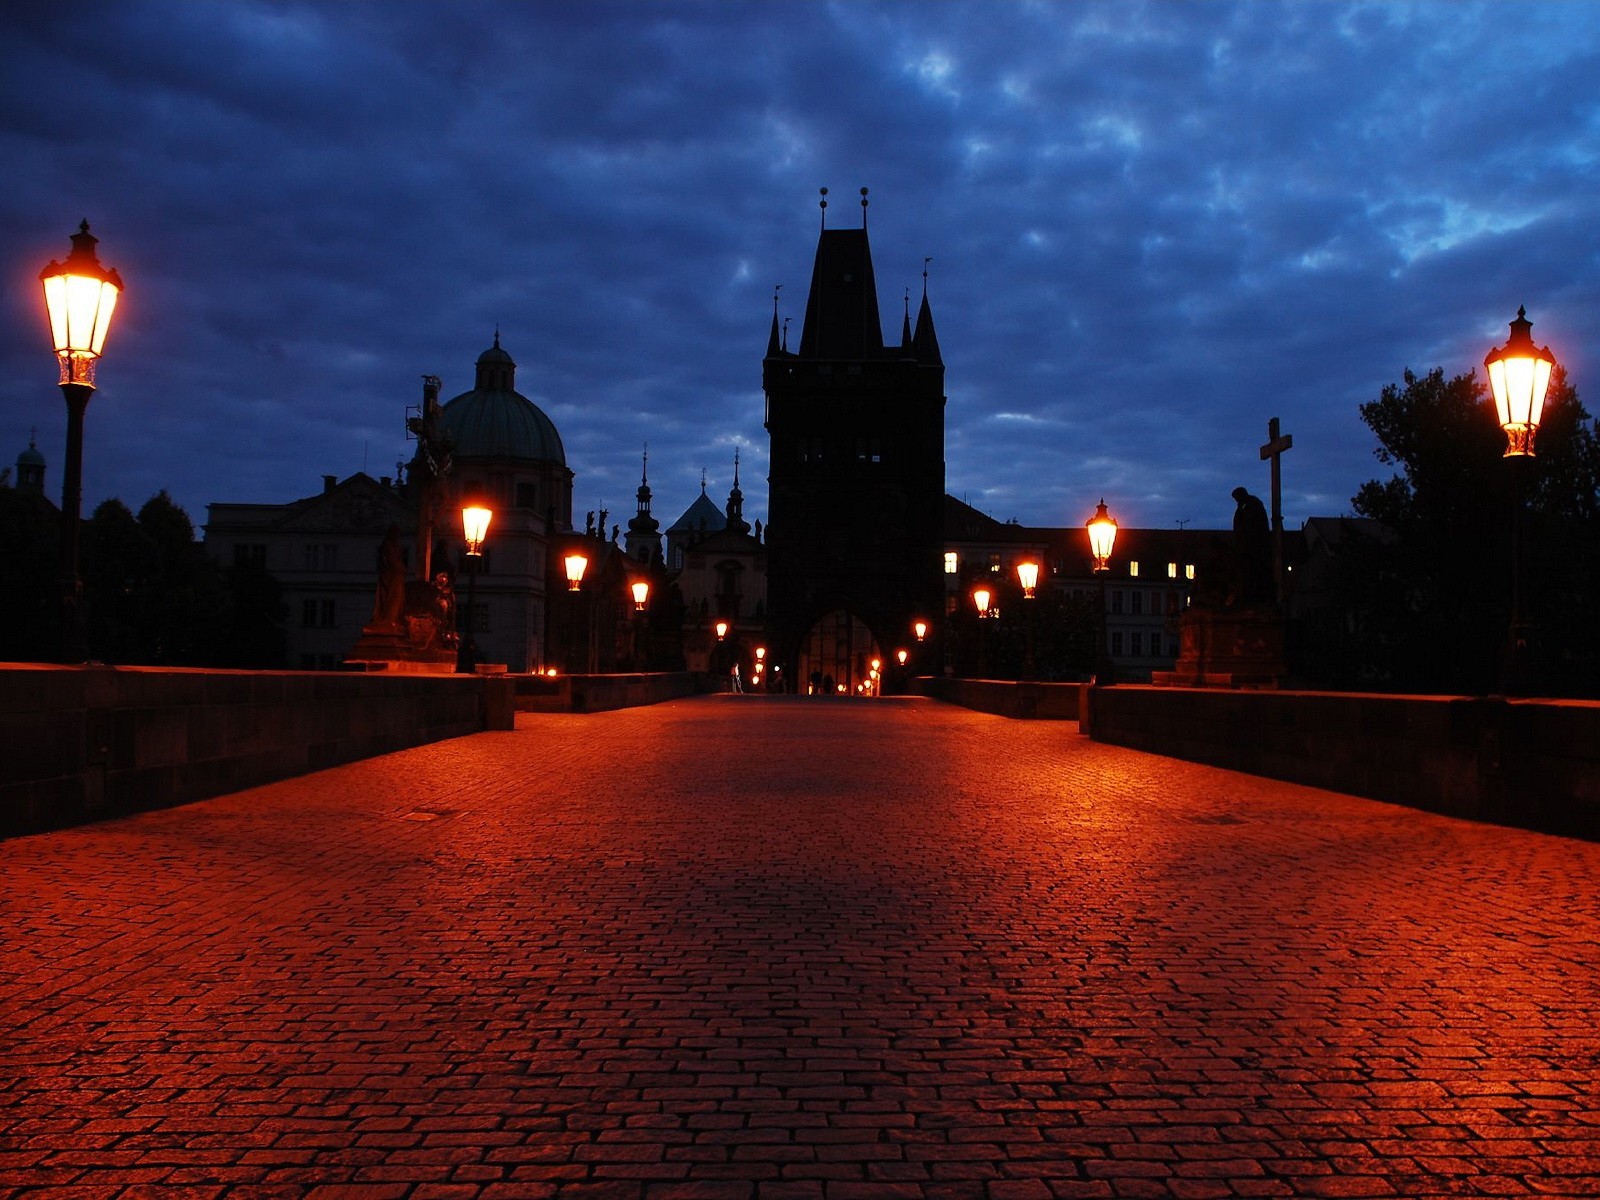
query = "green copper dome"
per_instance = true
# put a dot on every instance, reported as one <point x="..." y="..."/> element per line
<point x="494" y="420"/>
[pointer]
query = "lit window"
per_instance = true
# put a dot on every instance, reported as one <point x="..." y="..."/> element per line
<point x="1172" y="570"/>
<point x="950" y="563"/>
<point x="1188" y="570"/>
<point x="1133" y="569"/>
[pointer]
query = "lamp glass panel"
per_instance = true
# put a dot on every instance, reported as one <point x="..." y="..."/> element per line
<point x="475" y="525"/>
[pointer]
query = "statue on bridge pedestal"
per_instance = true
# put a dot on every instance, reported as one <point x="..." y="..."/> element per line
<point x="1233" y="636"/>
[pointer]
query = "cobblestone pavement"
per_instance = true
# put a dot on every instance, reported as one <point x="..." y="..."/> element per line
<point x="754" y="948"/>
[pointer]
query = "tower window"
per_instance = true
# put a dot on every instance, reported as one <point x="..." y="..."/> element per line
<point x="951" y="562"/>
<point x="1133" y="569"/>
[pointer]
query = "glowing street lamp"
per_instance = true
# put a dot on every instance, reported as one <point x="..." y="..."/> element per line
<point x="1102" y="537"/>
<point x="901" y="656"/>
<point x="1102" y="529"/>
<point x="475" y="520"/>
<point x="761" y="653"/>
<point x="80" y="296"/>
<point x="1519" y="375"/>
<point x="641" y="594"/>
<point x="722" y="631"/>
<point x="920" y="629"/>
<point x="576" y="564"/>
<point x="1028" y="577"/>
<point x="981" y="597"/>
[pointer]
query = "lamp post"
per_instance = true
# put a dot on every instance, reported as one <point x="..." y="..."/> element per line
<point x="474" y="527"/>
<point x="981" y="596"/>
<point x="576" y="563"/>
<point x="641" y="600"/>
<point x="1028" y="577"/>
<point x="80" y="296"/>
<point x="1102" y="528"/>
<point x="1519" y="375"/>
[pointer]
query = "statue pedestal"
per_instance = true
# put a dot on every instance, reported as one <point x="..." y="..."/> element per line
<point x="1228" y="648"/>
<point x="414" y="645"/>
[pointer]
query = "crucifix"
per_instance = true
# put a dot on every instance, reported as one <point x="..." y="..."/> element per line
<point x="1277" y="443"/>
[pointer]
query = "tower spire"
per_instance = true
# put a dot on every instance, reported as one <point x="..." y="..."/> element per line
<point x="822" y="204"/>
<point x="772" y="339"/>
<point x="863" y="208"/>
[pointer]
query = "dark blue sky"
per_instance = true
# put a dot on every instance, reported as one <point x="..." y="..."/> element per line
<point x="1153" y="227"/>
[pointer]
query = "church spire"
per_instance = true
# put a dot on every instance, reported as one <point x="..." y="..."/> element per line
<point x="905" y="324"/>
<point x="925" y="341"/>
<point x="773" y="347"/>
<point x="736" y="521"/>
<point x="644" y="536"/>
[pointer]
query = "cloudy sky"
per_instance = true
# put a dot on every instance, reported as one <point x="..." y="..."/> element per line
<point x="1153" y="226"/>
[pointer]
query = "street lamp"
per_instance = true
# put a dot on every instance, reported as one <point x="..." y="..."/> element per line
<point x="1028" y="577"/>
<point x="474" y="527"/>
<point x="641" y="594"/>
<point x="722" y="631"/>
<point x="80" y="296"/>
<point x="980" y="598"/>
<point x="1102" y="529"/>
<point x="1519" y="375"/>
<point x="901" y="656"/>
<point x="576" y="565"/>
<point x="920" y="628"/>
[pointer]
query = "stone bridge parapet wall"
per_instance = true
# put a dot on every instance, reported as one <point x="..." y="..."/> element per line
<point x="82" y="743"/>
<point x="1530" y="763"/>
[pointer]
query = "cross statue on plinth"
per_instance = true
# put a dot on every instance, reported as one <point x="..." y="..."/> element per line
<point x="1277" y="443"/>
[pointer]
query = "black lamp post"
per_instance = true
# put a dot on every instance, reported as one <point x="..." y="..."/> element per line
<point x="1102" y="529"/>
<point x="475" y="527"/>
<point x="981" y="597"/>
<point x="80" y="295"/>
<point x="1519" y="375"/>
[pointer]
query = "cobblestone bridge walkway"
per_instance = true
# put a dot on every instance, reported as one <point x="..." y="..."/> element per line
<point x="754" y="948"/>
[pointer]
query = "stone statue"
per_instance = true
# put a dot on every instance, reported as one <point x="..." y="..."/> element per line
<point x="391" y="599"/>
<point x="428" y="469"/>
<point x="1252" y="582"/>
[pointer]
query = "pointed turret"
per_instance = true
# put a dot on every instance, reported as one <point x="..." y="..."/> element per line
<point x="736" y="521"/>
<point x="925" y="342"/>
<point x="774" y="348"/>
<point x="905" y="328"/>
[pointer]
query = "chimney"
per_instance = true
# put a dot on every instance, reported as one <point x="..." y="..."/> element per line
<point x="329" y="482"/>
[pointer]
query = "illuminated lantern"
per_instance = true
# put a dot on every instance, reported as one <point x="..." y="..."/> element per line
<point x="980" y="597"/>
<point x="1102" y="536"/>
<point x="761" y="653"/>
<point x="920" y="628"/>
<point x="641" y="594"/>
<point x="1519" y="374"/>
<point x="80" y="295"/>
<point x="901" y="656"/>
<point x="475" y="520"/>
<point x="576" y="565"/>
<point x="722" y="630"/>
<point x="1028" y="577"/>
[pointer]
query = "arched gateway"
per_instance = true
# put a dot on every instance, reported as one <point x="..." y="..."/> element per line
<point x="840" y="648"/>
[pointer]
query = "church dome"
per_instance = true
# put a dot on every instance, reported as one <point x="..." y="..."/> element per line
<point x="494" y="420"/>
<point x="30" y="457"/>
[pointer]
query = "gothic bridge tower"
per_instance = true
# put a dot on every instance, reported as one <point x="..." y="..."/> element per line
<point x="855" y="535"/>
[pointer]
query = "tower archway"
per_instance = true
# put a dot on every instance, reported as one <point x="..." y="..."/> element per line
<point x="839" y="648"/>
